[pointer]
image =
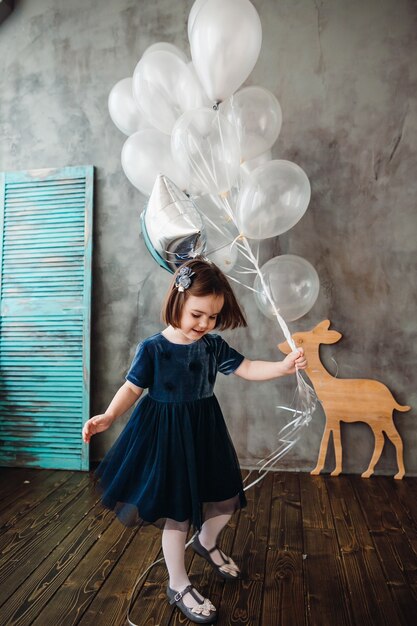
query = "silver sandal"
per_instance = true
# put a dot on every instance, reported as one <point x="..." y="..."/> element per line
<point x="206" y="554"/>
<point x="203" y="613"/>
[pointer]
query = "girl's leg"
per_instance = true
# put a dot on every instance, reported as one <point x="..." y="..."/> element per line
<point x="209" y="532"/>
<point x="211" y="529"/>
<point x="173" y="547"/>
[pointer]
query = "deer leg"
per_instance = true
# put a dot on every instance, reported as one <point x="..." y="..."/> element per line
<point x="395" y="437"/>
<point x="379" y="444"/>
<point x="337" y="451"/>
<point x="322" y="452"/>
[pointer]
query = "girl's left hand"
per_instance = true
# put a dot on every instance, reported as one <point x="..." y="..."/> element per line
<point x="294" y="361"/>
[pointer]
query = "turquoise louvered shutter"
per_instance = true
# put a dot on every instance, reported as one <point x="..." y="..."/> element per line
<point x="45" y="287"/>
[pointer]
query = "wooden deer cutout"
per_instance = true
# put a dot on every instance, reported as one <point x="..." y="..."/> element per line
<point x="348" y="400"/>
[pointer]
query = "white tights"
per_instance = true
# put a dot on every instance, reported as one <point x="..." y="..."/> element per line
<point x="173" y="547"/>
<point x="211" y="529"/>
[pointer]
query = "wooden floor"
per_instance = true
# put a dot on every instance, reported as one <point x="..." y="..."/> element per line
<point x="315" y="551"/>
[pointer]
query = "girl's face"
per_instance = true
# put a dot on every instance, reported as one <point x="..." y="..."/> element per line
<point x="199" y="316"/>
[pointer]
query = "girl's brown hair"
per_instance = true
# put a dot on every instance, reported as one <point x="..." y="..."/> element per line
<point x="208" y="279"/>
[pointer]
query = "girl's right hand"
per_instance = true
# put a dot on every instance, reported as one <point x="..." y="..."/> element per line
<point x="96" y="424"/>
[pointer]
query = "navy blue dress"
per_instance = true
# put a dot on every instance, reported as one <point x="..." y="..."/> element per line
<point x="174" y="459"/>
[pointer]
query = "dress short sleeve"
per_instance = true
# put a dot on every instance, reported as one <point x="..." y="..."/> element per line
<point x="228" y="359"/>
<point x="141" y="370"/>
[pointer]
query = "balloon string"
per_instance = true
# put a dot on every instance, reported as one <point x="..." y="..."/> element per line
<point x="267" y="293"/>
<point x="235" y="280"/>
<point x="214" y="225"/>
<point x="307" y="398"/>
<point x="247" y="270"/>
<point x="229" y="185"/>
<point x="198" y="170"/>
<point x="290" y="433"/>
<point x="232" y="106"/>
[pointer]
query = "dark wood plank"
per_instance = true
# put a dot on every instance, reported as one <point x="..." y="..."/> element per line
<point x="37" y="492"/>
<point x="326" y="590"/>
<point x="251" y="538"/>
<point x="328" y="602"/>
<point x="153" y="607"/>
<point x="109" y="607"/>
<point x="283" y="593"/>
<point x="396" y="554"/>
<point x="315" y="502"/>
<point x="18" y="482"/>
<point x="286" y="519"/>
<point x="13" y="477"/>
<point x="78" y="590"/>
<point x="365" y="578"/>
<point x="402" y="510"/>
<point x="241" y="604"/>
<point x="314" y="550"/>
<point x="34" y="528"/>
<point x="14" y="571"/>
<point x="404" y="494"/>
<point x="32" y="595"/>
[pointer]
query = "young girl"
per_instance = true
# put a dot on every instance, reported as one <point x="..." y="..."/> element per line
<point x="174" y="463"/>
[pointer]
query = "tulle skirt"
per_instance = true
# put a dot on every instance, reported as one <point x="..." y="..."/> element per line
<point x="173" y="465"/>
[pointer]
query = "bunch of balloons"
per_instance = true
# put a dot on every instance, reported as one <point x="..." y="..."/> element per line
<point x="192" y="122"/>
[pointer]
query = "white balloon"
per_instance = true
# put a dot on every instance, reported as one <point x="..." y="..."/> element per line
<point x="220" y="233"/>
<point x="257" y="116"/>
<point x="206" y="102"/>
<point x="225" y="42"/>
<point x="206" y="147"/>
<point x="220" y="251"/>
<point x="146" y="154"/>
<point x="248" y="166"/>
<point x="293" y="284"/>
<point x="164" y="87"/>
<point x="123" y="110"/>
<point x="191" y="95"/>
<point x="167" y="47"/>
<point x="272" y="199"/>
<point x="193" y="14"/>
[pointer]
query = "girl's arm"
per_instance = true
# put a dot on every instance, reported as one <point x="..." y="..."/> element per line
<point x="267" y="370"/>
<point x="125" y="397"/>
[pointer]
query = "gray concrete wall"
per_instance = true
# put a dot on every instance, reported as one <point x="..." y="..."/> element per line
<point x="346" y="76"/>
